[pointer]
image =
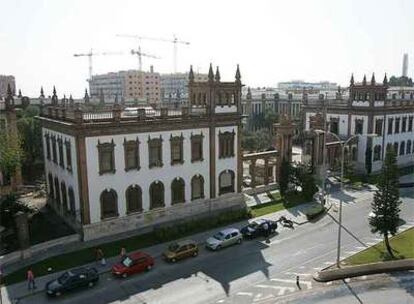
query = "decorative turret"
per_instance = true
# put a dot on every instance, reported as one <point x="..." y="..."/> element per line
<point x="20" y="94"/>
<point x="71" y="101"/>
<point x="217" y="77"/>
<point x="101" y="96"/>
<point x="42" y="93"/>
<point x="9" y="98"/>
<point x="86" y="97"/>
<point x="54" y="97"/>
<point x="385" y="82"/>
<point x="373" y="79"/>
<point x="191" y="74"/>
<point x="364" y="81"/>
<point x="238" y="76"/>
<point x="249" y="93"/>
<point x="210" y="73"/>
<point x="352" y="80"/>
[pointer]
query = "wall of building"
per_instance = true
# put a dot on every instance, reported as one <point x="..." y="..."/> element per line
<point x="122" y="179"/>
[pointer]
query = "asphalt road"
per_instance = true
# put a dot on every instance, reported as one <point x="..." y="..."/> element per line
<point x="253" y="272"/>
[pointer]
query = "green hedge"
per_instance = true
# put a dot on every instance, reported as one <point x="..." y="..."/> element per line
<point x="314" y="212"/>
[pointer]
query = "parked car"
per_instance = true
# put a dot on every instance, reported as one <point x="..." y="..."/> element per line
<point x="133" y="263"/>
<point x="71" y="280"/>
<point x="181" y="250"/>
<point x="224" y="238"/>
<point x="255" y="228"/>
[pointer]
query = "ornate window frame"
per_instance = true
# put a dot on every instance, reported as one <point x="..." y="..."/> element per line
<point x="197" y="139"/>
<point x="68" y="155"/>
<point x="226" y="144"/>
<point x="132" y="144"/>
<point x="157" y="143"/>
<point x="108" y="147"/>
<point x="177" y="141"/>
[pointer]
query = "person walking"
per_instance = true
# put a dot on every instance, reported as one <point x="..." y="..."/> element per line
<point x="30" y="279"/>
<point x="100" y="257"/>
<point x="266" y="230"/>
<point x="297" y="282"/>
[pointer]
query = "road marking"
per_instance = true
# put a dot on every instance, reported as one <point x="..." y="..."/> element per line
<point x="328" y="263"/>
<point x="260" y="298"/>
<point x="307" y="283"/>
<point x="242" y="293"/>
<point x="361" y="247"/>
<point x="329" y="283"/>
<point x="220" y="301"/>
<point x="282" y="289"/>
<point x="371" y="243"/>
<point x="299" y="274"/>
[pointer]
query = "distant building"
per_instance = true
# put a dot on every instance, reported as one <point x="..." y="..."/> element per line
<point x="4" y="81"/>
<point x="405" y="66"/>
<point x="174" y="86"/>
<point x="127" y="85"/>
<point x="298" y="86"/>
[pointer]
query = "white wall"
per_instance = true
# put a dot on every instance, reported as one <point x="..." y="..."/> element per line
<point x="121" y="180"/>
<point x="343" y="122"/>
<point x="226" y="109"/>
<point x="226" y="163"/>
<point x="70" y="178"/>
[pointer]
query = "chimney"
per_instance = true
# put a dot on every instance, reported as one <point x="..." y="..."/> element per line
<point x="151" y="69"/>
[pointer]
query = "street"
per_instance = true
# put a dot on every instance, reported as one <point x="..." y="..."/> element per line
<point x="253" y="272"/>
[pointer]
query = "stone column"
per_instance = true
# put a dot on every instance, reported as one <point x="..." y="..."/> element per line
<point x="253" y="173"/>
<point x="266" y="170"/>
<point x="23" y="234"/>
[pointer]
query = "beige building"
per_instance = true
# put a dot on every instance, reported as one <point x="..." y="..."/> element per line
<point x="131" y="85"/>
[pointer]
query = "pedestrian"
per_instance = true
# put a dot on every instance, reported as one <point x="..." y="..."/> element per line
<point x="30" y="279"/>
<point x="123" y="253"/>
<point x="266" y="231"/>
<point x="100" y="256"/>
<point x="297" y="282"/>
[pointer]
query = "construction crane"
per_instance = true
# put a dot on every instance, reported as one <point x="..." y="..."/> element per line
<point x="140" y="55"/>
<point x="175" y="41"/>
<point x="91" y="54"/>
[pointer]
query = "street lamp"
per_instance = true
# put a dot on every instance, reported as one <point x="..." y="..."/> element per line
<point x="343" y="145"/>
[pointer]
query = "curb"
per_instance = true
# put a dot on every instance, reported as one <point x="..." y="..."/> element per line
<point x="326" y="275"/>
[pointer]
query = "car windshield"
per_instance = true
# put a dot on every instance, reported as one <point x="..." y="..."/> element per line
<point x="219" y="236"/>
<point x="173" y="247"/>
<point x="253" y="225"/>
<point x="127" y="262"/>
<point x="64" y="278"/>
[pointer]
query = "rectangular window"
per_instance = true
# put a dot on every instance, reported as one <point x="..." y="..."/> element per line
<point x="155" y="152"/>
<point x="197" y="147"/>
<point x="131" y="154"/>
<point x="226" y="144"/>
<point x="106" y="157"/>
<point x="54" y="149"/>
<point x="177" y="149"/>
<point x="334" y="126"/>
<point x="410" y="123"/>
<point x="61" y="160"/>
<point x="68" y="156"/>
<point x="47" y="139"/>
<point x="390" y="123"/>
<point x="397" y="125"/>
<point x="378" y="127"/>
<point x="359" y="126"/>
<point x="404" y="124"/>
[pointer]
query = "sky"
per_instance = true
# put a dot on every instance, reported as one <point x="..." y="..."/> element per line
<point x="272" y="41"/>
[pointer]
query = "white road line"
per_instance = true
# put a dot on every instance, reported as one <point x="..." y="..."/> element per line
<point x="328" y="263"/>
<point x="282" y="289"/>
<point x="242" y="293"/>
<point x="299" y="274"/>
<point x="371" y="243"/>
<point x="307" y="283"/>
<point x="361" y="247"/>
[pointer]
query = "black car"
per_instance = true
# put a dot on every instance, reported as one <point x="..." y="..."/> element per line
<point x="256" y="228"/>
<point x="71" y="280"/>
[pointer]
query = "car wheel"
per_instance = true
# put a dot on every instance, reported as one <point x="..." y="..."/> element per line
<point x="239" y="241"/>
<point x="195" y="253"/>
<point x="218" y="248"/>
<point x="173" y="260"/>
<point x="58" y="293"/>
<point x="149" y="267"/>
<point x="124" y="275"/>
<point x="90" y="284"/>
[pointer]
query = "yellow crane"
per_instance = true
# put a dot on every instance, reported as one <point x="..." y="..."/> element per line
<point x="91" y="54"/>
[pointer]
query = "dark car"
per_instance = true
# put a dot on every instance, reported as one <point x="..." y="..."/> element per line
<point x="134" y="263"/>
<point x="71" y="280"/>
<point x="256" y="228"/>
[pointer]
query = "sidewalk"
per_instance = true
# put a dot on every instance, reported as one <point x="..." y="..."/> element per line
<point x="14" y="292"/>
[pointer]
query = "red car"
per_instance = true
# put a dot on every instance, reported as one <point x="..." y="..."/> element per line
<point x="133" y="263"/>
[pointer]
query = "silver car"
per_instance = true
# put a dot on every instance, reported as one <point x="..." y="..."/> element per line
<point x="224" y="238"/>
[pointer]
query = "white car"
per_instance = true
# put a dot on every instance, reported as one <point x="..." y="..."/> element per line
<point x="224" y="238"/>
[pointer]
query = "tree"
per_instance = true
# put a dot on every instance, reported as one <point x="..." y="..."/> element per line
<point x="400" y="81"/>
<point x="301" y="176"/>
<point x="386" y="200"/>
<point x="284" y="177"/>
<point x="11" y="153"/>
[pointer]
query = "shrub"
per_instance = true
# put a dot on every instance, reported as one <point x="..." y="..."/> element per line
<point x="314" y="212"/>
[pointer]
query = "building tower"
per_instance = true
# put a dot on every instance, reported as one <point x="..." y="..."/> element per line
<point x="405" y="65"/>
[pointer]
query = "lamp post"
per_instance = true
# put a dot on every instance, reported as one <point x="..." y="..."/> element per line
<point x="343" y="145"/>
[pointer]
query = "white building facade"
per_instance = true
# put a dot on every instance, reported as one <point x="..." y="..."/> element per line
<point x="129" y="173"/>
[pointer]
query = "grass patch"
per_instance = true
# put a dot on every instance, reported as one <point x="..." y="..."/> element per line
<point x="87" y="255"/>
<point x="292" y="199"/>
<point x="314" y="212"/>
<point x="402" y="244"/>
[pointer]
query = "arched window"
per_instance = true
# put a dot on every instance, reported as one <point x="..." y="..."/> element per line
<point x="377" y="152"/>
<point x="177" y="191"/>
<point x="64" y="196"/>
<point x="72" y="206"/>
<point x="402" y="148"/>
<point x="408" y="147"/>
<point x="109" y="204"/>
<point x="396" y="148"/>
<point x="51" y="190"/>
<point x="133" y="199"/>
<point x="57" y="191"/>
<point x="197" y="187"/>
<point x="226" y="182"/>
<point x="157" y="195"/>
